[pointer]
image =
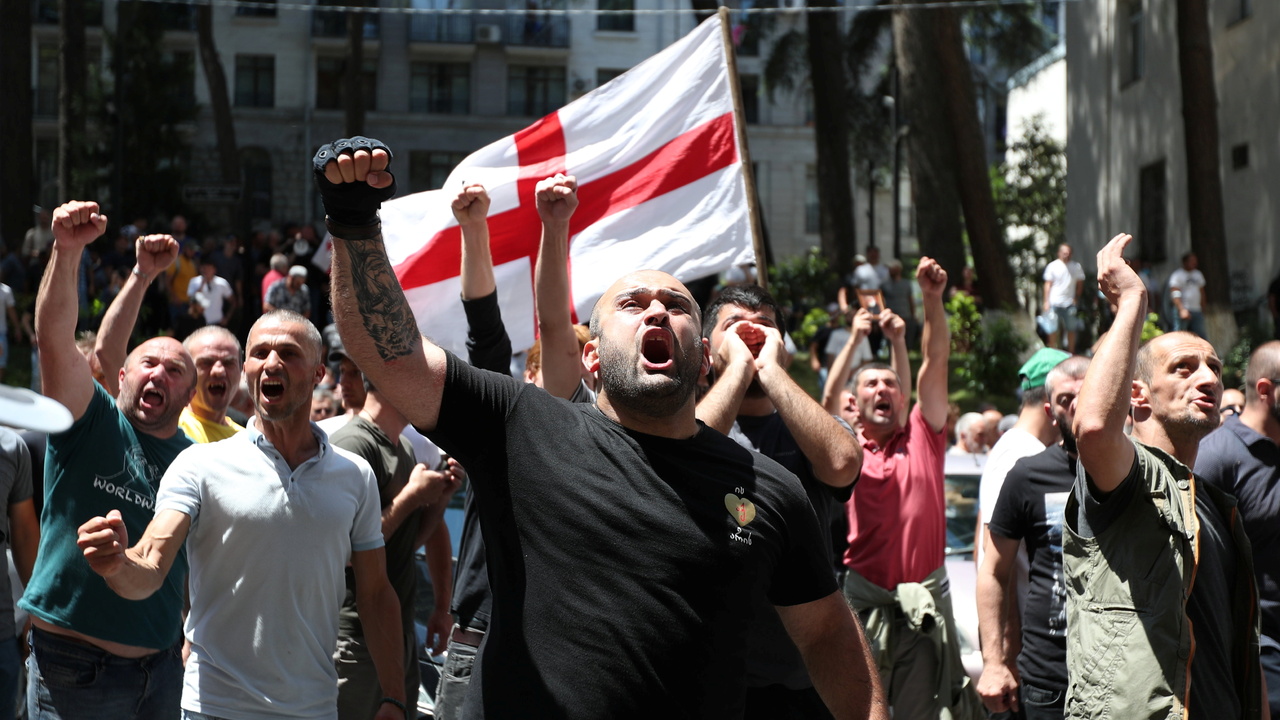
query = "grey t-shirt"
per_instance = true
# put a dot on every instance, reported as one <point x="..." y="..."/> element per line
<point x="15" y="484"/>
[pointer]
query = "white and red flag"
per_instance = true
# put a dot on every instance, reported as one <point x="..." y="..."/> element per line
<point x="661" y="186"/>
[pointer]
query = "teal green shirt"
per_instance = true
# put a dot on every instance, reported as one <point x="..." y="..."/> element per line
<point x="101" y="464"/>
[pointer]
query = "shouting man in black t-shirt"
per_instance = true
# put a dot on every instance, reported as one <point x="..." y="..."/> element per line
<point x="754" y="401"/>
<point x="626" y="542"/>
<point x="1029" y="510"/>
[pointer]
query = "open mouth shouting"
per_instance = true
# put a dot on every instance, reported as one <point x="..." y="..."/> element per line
<point x="216" y="389"/>
<point x="657" y="352"/>
<point x="151" y="398"/>
<point x="271" y="389"/>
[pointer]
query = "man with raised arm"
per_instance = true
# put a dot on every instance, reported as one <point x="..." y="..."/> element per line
<point x="754" y="401"/>
<point x="625" y="545"/>
<point x="273" y="514"/>
<point x="94" y="654"/>
<point x="1161" y="608"/>
<point x="896" y="578"/>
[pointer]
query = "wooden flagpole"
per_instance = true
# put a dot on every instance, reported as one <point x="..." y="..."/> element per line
<point x="739" y="125"/>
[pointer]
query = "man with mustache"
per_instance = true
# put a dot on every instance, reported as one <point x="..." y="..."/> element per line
<point x="754" y="401"/>
<point x="626" y="542"/>
<point x="92" y="652"/>
<point x="1161" y="610"/>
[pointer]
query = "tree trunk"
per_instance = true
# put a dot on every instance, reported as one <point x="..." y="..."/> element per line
<point x="831" y="138"/>
<point x="1204" y="174"/>
<point x="17" y="171"/>
<point x="224" y="126"/>
<point x="995" y="279"/>
<point x="930" y="142"/>
<point x="71" y="110"/>
<point x="352" y="97"/>
<point x="215" y="79"/>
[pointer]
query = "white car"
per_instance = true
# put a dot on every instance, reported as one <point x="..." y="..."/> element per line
<point x="961" y="494"/>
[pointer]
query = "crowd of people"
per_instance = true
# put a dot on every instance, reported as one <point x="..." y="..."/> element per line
<point x="660" y="520"/>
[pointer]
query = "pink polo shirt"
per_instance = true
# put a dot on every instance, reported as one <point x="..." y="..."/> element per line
<point x="897" y="523"/>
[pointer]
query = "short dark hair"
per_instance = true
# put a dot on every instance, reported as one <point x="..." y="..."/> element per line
<point x="853" y="379"/>
<point x="752" y="297"/>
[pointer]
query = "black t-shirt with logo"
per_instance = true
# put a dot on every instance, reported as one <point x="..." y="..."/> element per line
<point x="623" y="565"/>
<point x="1030" y="509"/>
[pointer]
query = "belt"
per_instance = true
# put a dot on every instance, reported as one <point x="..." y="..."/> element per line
<point x="472" y="638"/>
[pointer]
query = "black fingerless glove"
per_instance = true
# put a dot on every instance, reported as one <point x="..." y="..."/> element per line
<point x="355" y="204"/>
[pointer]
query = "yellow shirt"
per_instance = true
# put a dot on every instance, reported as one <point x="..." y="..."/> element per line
<point x="203" y="431"/>
<point x="180" y="274"/>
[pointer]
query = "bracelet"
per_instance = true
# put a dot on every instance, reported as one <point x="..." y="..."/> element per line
<point x="138" y="271"/>
<point x="353" y="232"/>
<point x="396" y="703"/>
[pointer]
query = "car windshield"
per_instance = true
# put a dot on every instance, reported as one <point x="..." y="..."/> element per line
<point x="961" y="494"/>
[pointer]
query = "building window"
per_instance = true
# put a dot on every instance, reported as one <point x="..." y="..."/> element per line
<point x="1240" y="156"/>
<point x="255" y="164"/>
<point x="440" y="88"/>
<point x="1244" y="10"/>
<point x="184" y="67"/>
<point x="812" y="217"/>
<point x="604" y="75"/>
<point x="257" y="9"/>
<point x="329" y="83"/>
<point x="1152" y="212"/>
<point x="256" y="81"/>
<point x="750" y="86"/>
<point x="47" y="79"/>
<point x="534" y="90"/>
<point x="428" y="169"/>
<point x="619" y="21"/>
<point x="1132" y="41"/>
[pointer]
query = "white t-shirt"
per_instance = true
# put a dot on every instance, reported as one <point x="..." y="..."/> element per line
<point x="1064" y="277"/>
<point x="1189" y="282"/>
<point x="1009" y="449"/>
<point x="211" y="294"/>
<point x="268" y="550"/>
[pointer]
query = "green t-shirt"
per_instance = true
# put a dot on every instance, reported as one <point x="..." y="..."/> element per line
<point x="392" y="463"/>
<point x="101" y="464"/>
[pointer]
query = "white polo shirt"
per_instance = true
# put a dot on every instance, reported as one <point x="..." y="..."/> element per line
<point x="268" y="549"/>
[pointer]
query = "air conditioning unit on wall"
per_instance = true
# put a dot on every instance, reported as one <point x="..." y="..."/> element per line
<point x="488" y="34"/>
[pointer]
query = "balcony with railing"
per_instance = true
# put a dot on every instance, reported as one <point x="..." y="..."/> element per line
<point x="534" y="27"/>
<point x="45" y="12"/>
<point x="441" y="28"/>
<point x="333" y="23"/>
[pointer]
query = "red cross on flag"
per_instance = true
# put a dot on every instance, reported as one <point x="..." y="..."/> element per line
<point x="661" y="186"/>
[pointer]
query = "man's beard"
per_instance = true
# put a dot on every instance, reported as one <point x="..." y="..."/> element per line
<point x="1190" y="425"/>
<point x="1068" y="439"/>
<point x="656" y="395"/>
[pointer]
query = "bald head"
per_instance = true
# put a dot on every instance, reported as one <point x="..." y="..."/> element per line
<point x="1151" y="354"/>
<point x="1264" y="364"/>
<point x="655" y="279"/>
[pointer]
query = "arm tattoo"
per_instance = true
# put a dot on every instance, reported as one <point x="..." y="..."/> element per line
<point x="380" y="300"/>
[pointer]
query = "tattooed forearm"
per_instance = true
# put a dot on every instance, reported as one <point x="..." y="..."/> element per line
<point x="383" y="309"/>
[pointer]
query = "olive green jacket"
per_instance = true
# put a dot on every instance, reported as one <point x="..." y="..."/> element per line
<point x="1129" y="640"/>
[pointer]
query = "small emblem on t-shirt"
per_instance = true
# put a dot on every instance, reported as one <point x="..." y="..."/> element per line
<point x="742" y="509"/>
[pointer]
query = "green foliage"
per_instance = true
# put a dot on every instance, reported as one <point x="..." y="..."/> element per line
<point x="1151" y="328"/>
<point x="809" y="326"/>
<point x="1236" y="362"/>
<point x="986" y="351"/>
<point x="801" y="283"/>
<point x="146" y="114"/>
<point x="965" y="322"/>
<point x="1031" y="202"/>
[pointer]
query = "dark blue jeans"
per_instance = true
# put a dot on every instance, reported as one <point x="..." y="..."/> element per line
<point x="10" y="671"/>
<point x="1040" y="703"/>
<point x="69" y="680"/>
